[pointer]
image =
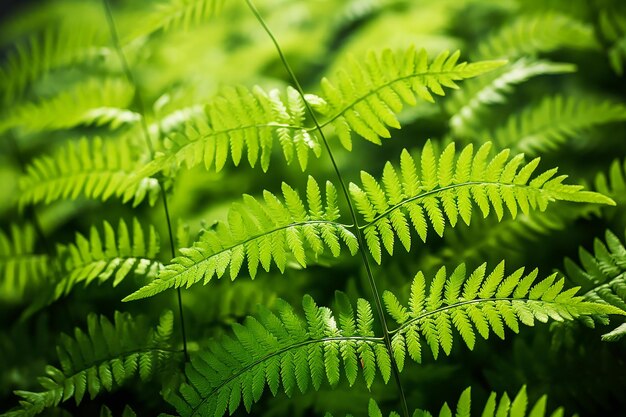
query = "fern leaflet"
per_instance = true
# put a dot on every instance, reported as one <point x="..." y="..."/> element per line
<point x="259" y="233"/>
<point x="479" y="303"/>
<point x="94" y="168"/>
<point x="602" y="275"/>
<point x="493" y="408"/>
<point x="282" y="349"/>
<point x="108" y="355"/>
<point x="448" y="187"/>
<point x="555" y="119"/>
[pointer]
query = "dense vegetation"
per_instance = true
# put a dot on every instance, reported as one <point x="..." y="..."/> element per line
<point x="421" y="226"/>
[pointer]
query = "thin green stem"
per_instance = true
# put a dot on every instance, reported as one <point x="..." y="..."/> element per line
<point x="146" y="133"/>
<point x="359" y="234"/>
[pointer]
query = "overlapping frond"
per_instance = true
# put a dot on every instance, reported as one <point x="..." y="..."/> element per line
<point x="478" y="94"/>
<point x="613" y="182"/>
<point x="504" y="407"/>
<point x="70" y="42"/>
<point x="110" y="254"/>
<point x="442" y="188"/>
<point x="366" y="96"/>
<point x="537" y="33"/>
<point x="92" y="168"/>
<point x="173" y="15"/>
<point x="104" y="357"/>
<point x="284" y="352"/>
<point x="479" y="303"/>
<point x="612" y="26"/>
<point x="602" y="274"/>
<point x="21" y="266"/>
<point x="547" y="125"/>
<point x="95" y="101"/>
<point x="259" y="233"/>
<point x="240" y="123"/>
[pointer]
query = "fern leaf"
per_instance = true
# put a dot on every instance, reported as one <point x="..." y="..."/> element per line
<point x="486" y="302"/>
<point x="555" y="119"/>
<point x="93" y="168"/>
<point x="602" y="275"/>
<point x="493" y="407"/>
<point x="366" y="96"/>
<point x="174" y="15"/>
<point x="440" y="195"/>
<point x="532" y="34"/>
<point x="468" y="103"/>
<point x="71" y="42"/>
<point x="21" y="267"/>
<point x="108" y="255"/>
<point x="260" y="233"/>
<point x="104" y="357"/>
<point x="612" y="25"/>
<point x="275" y="349"/>
<point x="99" y="102"/>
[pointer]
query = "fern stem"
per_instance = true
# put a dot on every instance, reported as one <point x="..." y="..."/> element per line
<point x="344" y="189"/>
<point x="146" y="133"/>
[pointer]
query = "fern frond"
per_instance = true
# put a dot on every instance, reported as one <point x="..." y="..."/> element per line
<point x="127" y="412"/>
<point x="173" y="15"/>
<point x="285" y="352"/>
<point x="239" y="120"/>
<point x="259" y="233"/>
<point x="108" y="355"/>
<point x="537" y="33"/>
<point x="555" y="119"/>
<point x="108" y="255"/>
<point x="92" y="168"/>
<point x="612" y="26"/>
<point x="613" y="182"/>
<point x="476" y="95"/>
<point x="68" y="43"/>
<point x="504" y="407"/>
<point x="444" y="188"/>
<point x="603" y="274"/>
<point x="95" y="101"/>
<point x="482" y="302"/>
<point x="21" y="267"/>
<point x="366" y="96"/>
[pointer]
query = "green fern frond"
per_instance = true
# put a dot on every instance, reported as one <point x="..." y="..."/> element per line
<point x="367" y="95"/>
<point x="239" y="120"/>
<point x="603" y="274"/>
<point x="107" y="356"/>
<point x="68" y="43"/>
<point x="172" y="15"/>
<point x="90" y="167"/>
<point x="479" y="303"/>
<point x="285" y="352"/>
<point x="504" y="407"/>
<point x="555" y="119"/>
<point x="21" y="267"/>
<point x="98" y="102"/>
<point x="444" y="188"/>
<point x="613" y="183"/>
<point x="537" y="33"/>
<point x="259" y="233"/>
<point x="476" y="95"/>
<point x="108" y="255"/>
<point x="612" y="26"/>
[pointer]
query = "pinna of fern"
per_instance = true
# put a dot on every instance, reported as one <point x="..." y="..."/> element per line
<point x="364" y="99"/>
<point x="505" y="407"/>
<point x="105" y="357"/>
<point x="283" y="349"/>
<point x="443" y="189"/>
<point x="603" y="276"/>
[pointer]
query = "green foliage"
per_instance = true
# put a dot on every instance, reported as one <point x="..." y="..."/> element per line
<point x="259" y="233"/>
<point x="105" y="357"/>
<point x="505" y="407"/>
<point x="447" y="187"/>
<point x="96" y="168"/>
